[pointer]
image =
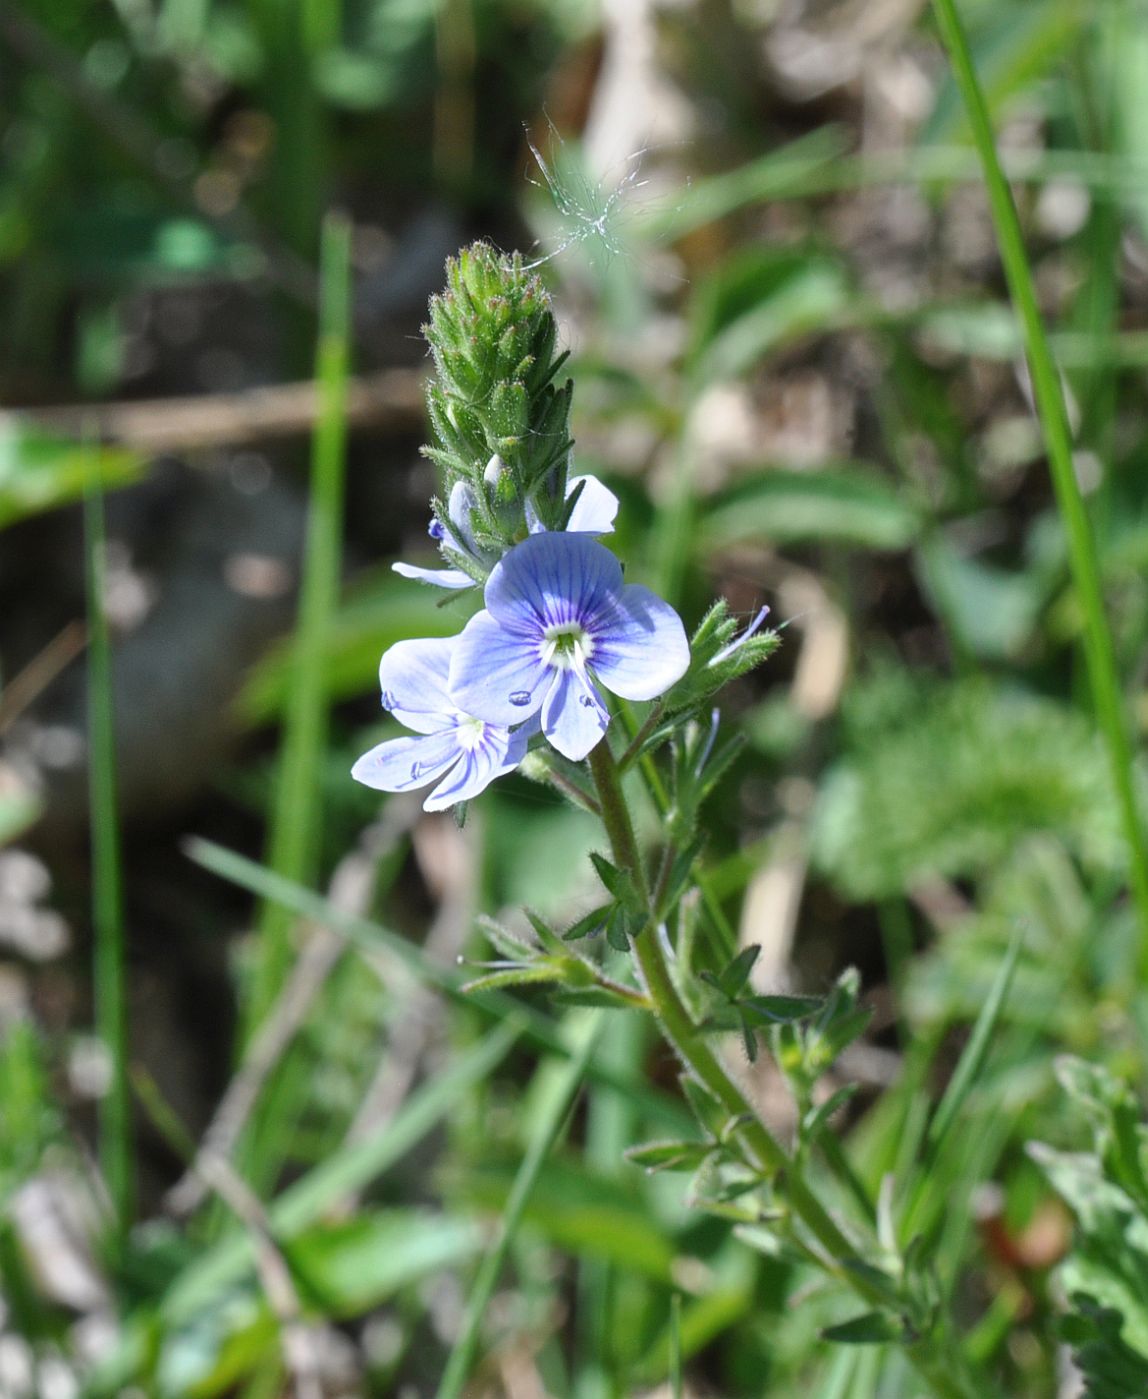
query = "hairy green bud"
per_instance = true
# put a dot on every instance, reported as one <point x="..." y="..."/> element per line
<point x="500" y="424"/>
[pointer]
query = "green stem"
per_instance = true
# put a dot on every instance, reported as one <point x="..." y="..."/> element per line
<point x="722" y="935"/>
<point x="296" y="822"/>
<point x="940" y="1363"/>
<point x="634" y="748"/>
<point x="1100" y="655"/>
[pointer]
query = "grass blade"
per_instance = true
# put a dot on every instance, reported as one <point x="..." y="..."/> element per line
<point x="676" y="1346"/>
<point x="362" y="932"/>
<point x="973" y="1057"/>
<point x="542" y="1138"/>
<point x="923" y="1173"/>
<point x="296" y="822"/>
<point x="115" y="1131"/>
<point x="1103" y="675"/>
<point x="343" y="1173"/>
<point x="612" y="1124"/>
<point x="301" y="1205"/>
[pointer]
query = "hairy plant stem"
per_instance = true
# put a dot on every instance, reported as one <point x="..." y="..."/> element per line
<point x="938" y="1361"/>
<point x="634" y="750"/>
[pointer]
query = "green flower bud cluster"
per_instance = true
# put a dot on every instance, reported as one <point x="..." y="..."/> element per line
<point x="501" y="425"/>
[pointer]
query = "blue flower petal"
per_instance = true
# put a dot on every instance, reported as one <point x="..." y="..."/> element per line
<point x="496" y="673"/>
<point x="439" y="577"/>
<point x="594" y="510"/>
<point x="551" y="579"/>
<point x="573" y="716"/>
<point x="477" y="770"/>
<point x="413" y="678"/>
<point x="640" y="645"/>
<point x="403" y="764"/>
<point x="459" y="508"/>
<point x="519" y="739"/>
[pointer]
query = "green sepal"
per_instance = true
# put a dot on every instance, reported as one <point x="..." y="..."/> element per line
<point x="747" y="1014"/>
<point x="737" y="973"/>
<point x="680" y="876"/>
<point x="509" y="944"/>
<point x="588" y="925"/>
<point x="710" y="670"/>
<point x="868" y="1329"/>
<point x="618" y="929"/>
<point x="507" y="416"/>
<point x="779" y="1010"/>
<point x="546" y="935"/>
<point x="532" y="975"/>
<point x="669" y="1156"/>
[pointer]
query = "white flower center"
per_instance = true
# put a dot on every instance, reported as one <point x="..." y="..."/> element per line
<point x="469" y="732"/>
<point x="566" y="645"/>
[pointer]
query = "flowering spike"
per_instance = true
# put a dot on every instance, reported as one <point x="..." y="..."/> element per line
<point x="493" y="338"/>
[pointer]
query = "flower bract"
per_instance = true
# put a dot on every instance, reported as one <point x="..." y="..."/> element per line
<point x="559" y="622"/>
<point x="465" y="752"/>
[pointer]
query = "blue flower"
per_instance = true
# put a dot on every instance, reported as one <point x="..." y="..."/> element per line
<point x="465" y="752"/>
<point x="558" y="619"/>
<point x="594" y="510"/>
<point x="593" y="513"/>
<point x="459" y="509"/>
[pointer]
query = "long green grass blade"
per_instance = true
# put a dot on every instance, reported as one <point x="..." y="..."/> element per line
<point x="362" y="932"/>
<point x="542" y="1138"/>
<point x="296" y="821"/>
<point x="972" y="1059"/>
<point x="817" y="164"/>
<point x="348" y="1170"/>
<point x="208" y="1277"/>
<point x="1100" y="655"/>
<point x="107" y="885"/>
<point x="612" y="1124"/>
<point x="968" y="1070"/>
<point x="676" y="1346"/>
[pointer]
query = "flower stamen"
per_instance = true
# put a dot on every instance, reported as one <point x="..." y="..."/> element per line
<point x="566" y="646"/>
<point x="469" y="732"/>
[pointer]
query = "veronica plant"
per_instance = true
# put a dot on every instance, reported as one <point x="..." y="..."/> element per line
<point x="526" y="682"/>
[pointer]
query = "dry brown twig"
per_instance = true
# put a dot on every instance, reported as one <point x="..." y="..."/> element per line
<point x="391" y="399"/>
<point x="351" y="888"/>
<point x="302" y="1350"/>
<point x="449" y="857"/>
<point x="26" y="687"/>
